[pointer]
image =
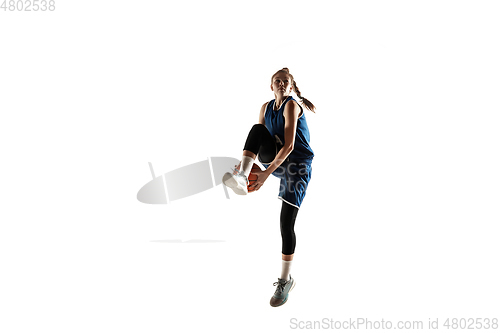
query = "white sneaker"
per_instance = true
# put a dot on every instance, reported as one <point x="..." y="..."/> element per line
<point x="237" y="181"/>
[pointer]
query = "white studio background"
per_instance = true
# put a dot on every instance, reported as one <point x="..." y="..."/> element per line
<point x="401" y="217"/>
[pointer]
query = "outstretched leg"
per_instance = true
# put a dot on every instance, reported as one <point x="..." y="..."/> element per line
<point x="287" y="224"/>
<point x="285" y="283"/>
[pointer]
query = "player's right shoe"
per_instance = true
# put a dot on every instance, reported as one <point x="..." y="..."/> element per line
<point x="237" y="181"/>
<point x="281" y="294"/>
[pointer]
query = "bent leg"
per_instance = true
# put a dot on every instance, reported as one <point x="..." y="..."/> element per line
<point x="260" y="142"/>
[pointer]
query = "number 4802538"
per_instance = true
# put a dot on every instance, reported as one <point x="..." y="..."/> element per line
<point x="28" y="5"/>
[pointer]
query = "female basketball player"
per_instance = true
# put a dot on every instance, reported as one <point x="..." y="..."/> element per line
<point x="281" y="141"/>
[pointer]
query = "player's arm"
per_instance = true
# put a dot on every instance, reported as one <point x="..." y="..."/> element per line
<point x="291" y="114"/>
<point x="262" y="119"/>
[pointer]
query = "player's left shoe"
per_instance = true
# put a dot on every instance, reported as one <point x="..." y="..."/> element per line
<point x="237" y="181"/>
<point x="282" y="290"/>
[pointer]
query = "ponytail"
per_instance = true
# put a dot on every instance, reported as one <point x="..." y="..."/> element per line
<point x="307" y="103"/>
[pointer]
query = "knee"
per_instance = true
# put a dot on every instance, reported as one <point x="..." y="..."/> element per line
<point x="287" y="228"/>
<point x="258" y="127"/>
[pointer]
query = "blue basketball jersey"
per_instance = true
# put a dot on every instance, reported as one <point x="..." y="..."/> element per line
<point x="275" y="123"/>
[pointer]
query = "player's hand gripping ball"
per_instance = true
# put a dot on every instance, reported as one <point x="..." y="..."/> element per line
<point x="252" y="178"/>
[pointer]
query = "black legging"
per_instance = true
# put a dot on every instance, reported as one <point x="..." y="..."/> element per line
<point x="287" y="222"/>
<point x="261" y="143"/>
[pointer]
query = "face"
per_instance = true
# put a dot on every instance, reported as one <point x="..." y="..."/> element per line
<point x="282" y="84"/>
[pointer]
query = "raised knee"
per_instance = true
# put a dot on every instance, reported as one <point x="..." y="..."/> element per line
<point x="258" y="126"/>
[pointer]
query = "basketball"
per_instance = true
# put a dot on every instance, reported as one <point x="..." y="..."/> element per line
<point x="252" y="178"/>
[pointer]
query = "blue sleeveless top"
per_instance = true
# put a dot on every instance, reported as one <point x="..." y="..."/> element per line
<point x="275" y="123"/>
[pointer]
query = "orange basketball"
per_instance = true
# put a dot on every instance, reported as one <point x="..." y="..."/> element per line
<point x="252" y="178"/>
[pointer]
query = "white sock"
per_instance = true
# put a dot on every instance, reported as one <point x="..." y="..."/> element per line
<point x="285" y="269"/>
<point x="246" y="165"/>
